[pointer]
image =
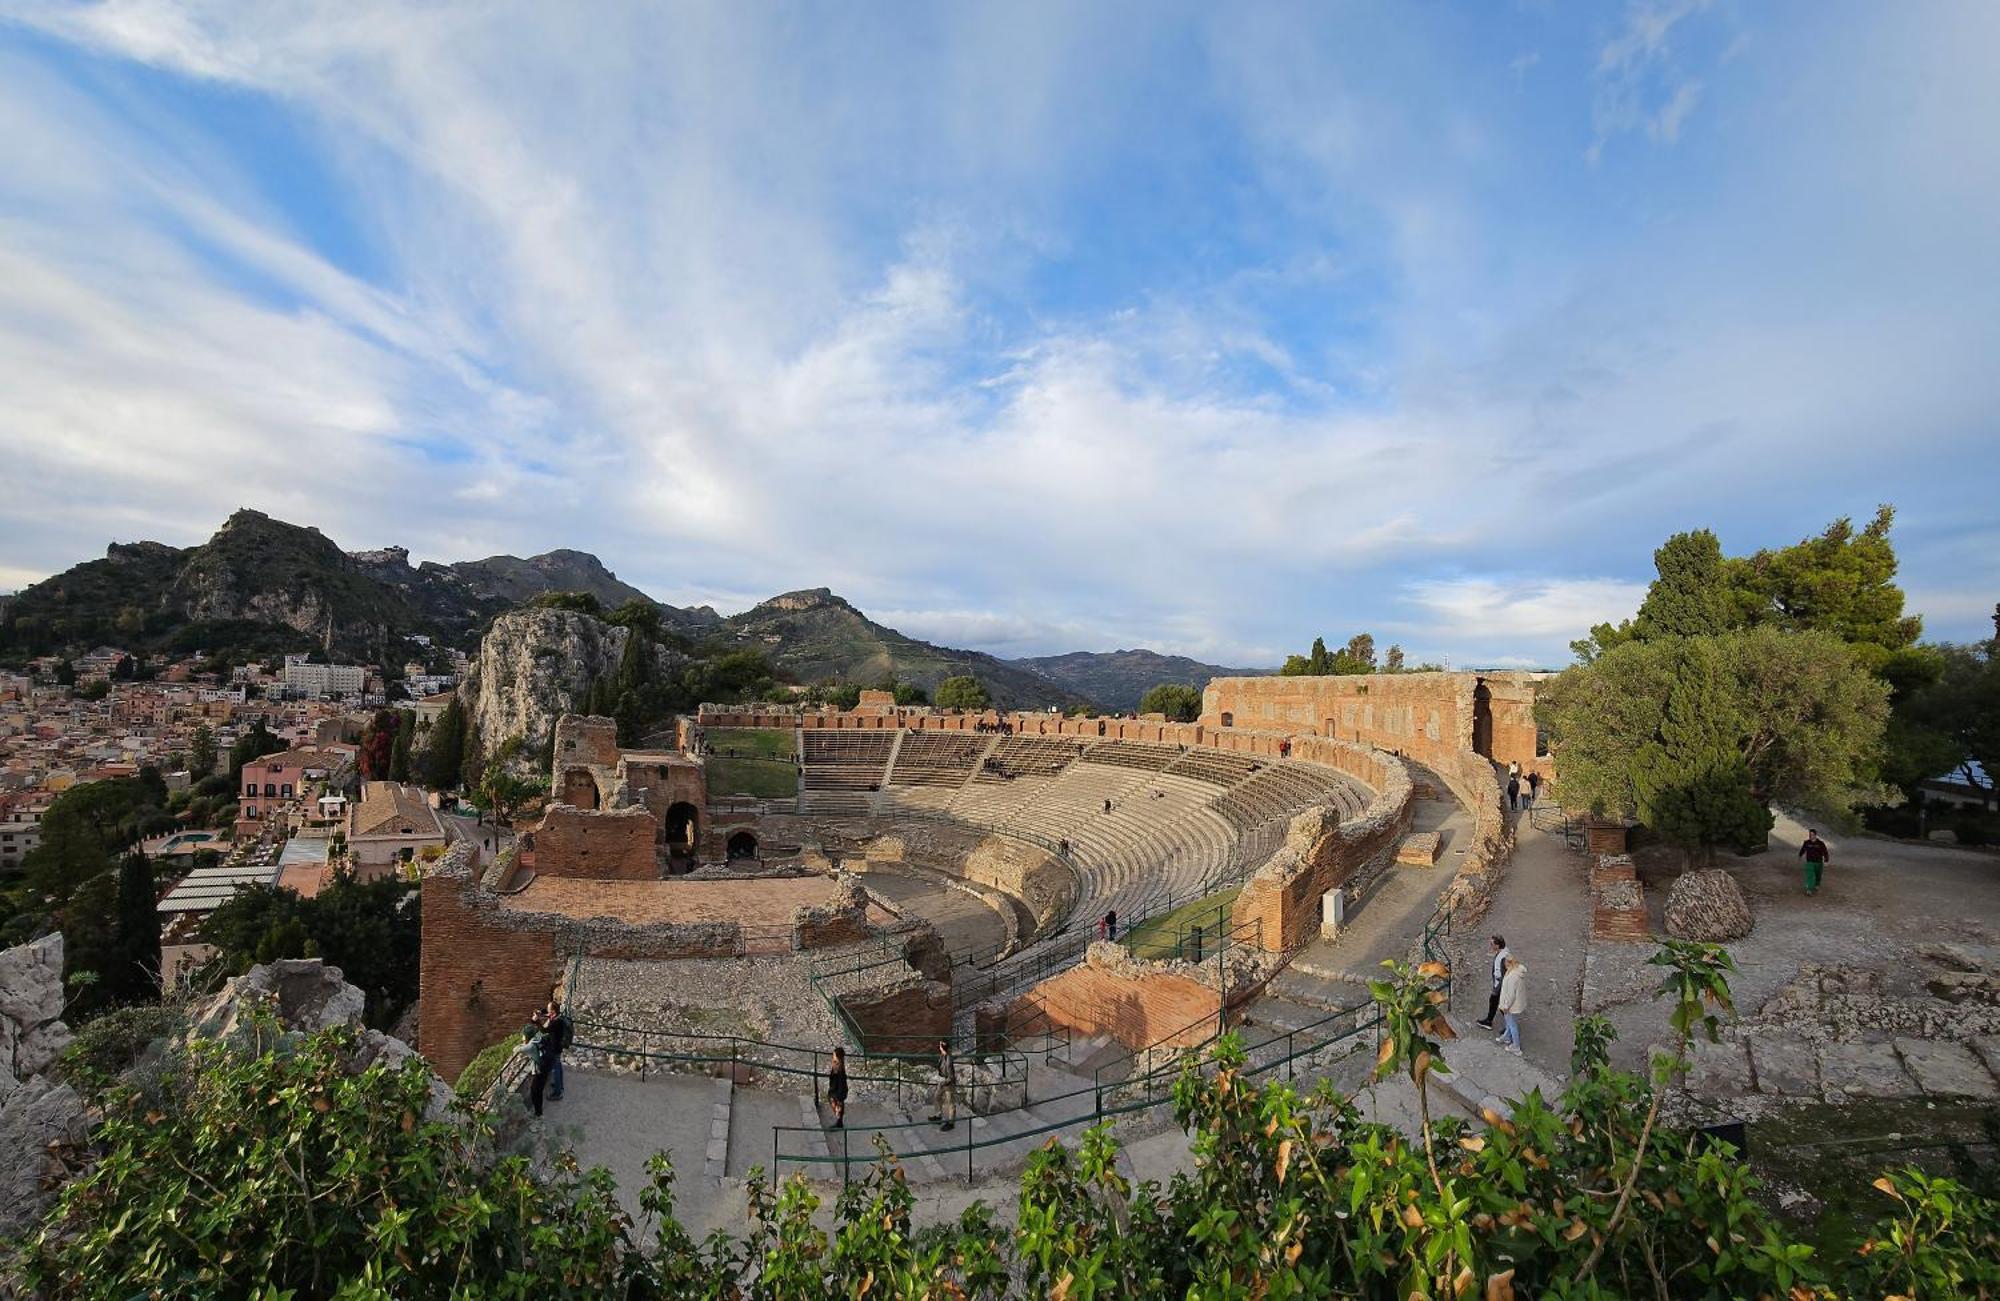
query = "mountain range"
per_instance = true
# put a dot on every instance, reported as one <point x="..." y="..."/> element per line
<point x="261" y="586"/>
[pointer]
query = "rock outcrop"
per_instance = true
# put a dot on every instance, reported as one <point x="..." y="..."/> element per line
<point x="41" y="1118"/>
<point x="32" y="1034"/>
<point x="305" y="996"/>
<point x="535" y="665"/>
<point x="1707" y="905"/>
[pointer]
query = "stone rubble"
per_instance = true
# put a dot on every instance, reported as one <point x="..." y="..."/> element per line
<point x="1707" y="905"/>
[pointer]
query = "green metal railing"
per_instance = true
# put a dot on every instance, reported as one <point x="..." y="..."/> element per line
<point x="1152" y="1088"/>
<point x="901" y="1071"/>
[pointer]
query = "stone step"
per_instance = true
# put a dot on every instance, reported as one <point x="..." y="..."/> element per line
<point x="1485" y="1075"/>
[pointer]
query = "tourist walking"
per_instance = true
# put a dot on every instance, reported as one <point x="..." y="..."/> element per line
<point x="560" y="1031"/>
<point x="945" y="1101"/>
<point x="1111" y="925"/>
<point x="1534" y="787"/>
<point x="1500" y="956"/>
<point x="836" y="1088"/>
<point x="546" y="1058"/>
<point x="1816" y="853"/>
<point x="1514" y="792"/>
<point x="1513" y="1002"/>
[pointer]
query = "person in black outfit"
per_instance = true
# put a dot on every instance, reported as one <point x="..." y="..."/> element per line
<point x="561" y="1031"/>
<point x="1500" y="956"/>
<point x="836" y="1088"/>
<point x="1111" y="925"/>
<point x="546" y="1057"/>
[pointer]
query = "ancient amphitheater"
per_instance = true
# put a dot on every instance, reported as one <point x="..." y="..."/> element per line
<point x="721" y="909"/>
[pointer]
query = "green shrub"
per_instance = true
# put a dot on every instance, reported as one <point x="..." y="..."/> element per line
<point x="108" y="1044"/>
<point x="483" y="1069"/>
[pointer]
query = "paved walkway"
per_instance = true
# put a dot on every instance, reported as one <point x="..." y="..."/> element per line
<point x="1389" y="920"/>
<point x="1542" y="907"/>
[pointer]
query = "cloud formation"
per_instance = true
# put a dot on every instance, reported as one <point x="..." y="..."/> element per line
<point x="1033" y="328"/>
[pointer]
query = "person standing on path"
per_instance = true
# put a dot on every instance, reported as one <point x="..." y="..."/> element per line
<point x="1514" y="793"/>
<point x="546" y="1057"/>
<point x="1534" y="787"/>
<point x="1513" y="1002"/>
<point x="560" y="1031"/>
<point x="946" y="1099"/>
<point x="1500" y="959"/>
<point x="836" y="1088"/>
<point x="1816" y="854"/>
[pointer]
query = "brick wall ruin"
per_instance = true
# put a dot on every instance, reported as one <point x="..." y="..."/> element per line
<point x="482" y="971"/>
<point x="1279" y="907"/>
<point x="907" y="1015"/>
<point x="1139" y="1004"/>
<point x="1427" y="716"/>
<point x="616" y="845"/>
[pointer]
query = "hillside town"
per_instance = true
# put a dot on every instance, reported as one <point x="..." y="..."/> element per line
<point x="259" y="765"/>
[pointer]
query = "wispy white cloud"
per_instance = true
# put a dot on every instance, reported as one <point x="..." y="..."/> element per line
<point x="936" y="309"/>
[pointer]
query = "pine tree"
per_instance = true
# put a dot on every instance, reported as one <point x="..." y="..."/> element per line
<point x="1319" y="663"/>
<point x="201" y="752"/>
<point x="1690" y="782"/>
<point x="134" y="970"/>
<point x="399" y="752"/>
<point x="1691" y="597"/>
<point x="446" y="755"/>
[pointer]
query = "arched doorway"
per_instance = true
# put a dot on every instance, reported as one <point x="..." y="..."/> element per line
<point x="1482" y="720"/>
<point x="742" y="845"/>
<point x="681" y="829"/>
<point x="579" y="789"/>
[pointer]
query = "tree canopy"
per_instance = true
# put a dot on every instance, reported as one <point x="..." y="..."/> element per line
<point x="370" y="930"/>
<point x="1646" y="719"/>
<point x="1179" y="701"/>
<point x="1356" y="657"/>
<point x="962" y="692"/>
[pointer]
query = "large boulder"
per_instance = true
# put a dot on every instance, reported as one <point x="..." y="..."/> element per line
<point x="305" y="996"/>
<point x="303" y="993"/>
<point x="32" y="1034"/>
<point x="42" y="1131"/>
<point x="1707" y="905"/>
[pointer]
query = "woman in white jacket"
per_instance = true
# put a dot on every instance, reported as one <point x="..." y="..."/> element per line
<point x="1513" y="1002"/>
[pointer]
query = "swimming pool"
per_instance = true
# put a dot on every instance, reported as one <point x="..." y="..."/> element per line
<point x="185" y="840"/>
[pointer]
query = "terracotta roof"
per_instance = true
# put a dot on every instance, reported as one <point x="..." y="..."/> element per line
<point x="387" y="807"/>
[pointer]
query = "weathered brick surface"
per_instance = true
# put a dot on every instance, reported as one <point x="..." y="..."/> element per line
<point x="1618" y="902"/>
<point x="616" y="845"/>
<point x="1428" y="716"/>
<point x="1419" y="849"/>
<point x="1281" y="901"/>
<point x="1137" y="1008"/>
<point x="905" y="1016"/>
<point x="481" y="972"/>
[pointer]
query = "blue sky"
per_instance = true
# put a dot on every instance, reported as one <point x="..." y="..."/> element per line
<point x="1026" y="327"/>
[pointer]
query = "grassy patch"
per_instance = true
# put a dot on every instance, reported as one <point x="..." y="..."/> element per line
<point x="751" y="743"/>
<point x="765" y="779"/>
<point x="1160" y="937"/>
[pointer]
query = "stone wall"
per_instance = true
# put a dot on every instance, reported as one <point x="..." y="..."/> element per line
<point x="1139" y="1004"/>
<point x="1279" y="908"/>
<point x="1046" y="884"/>
<point x="842" y="919"/>
<point x="907" y="1015"/>
<point x="1427" y="716"/>
<point x="482" y="971"/>
<point x="611" y="845"/>
<point x="1475" y="783"/>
